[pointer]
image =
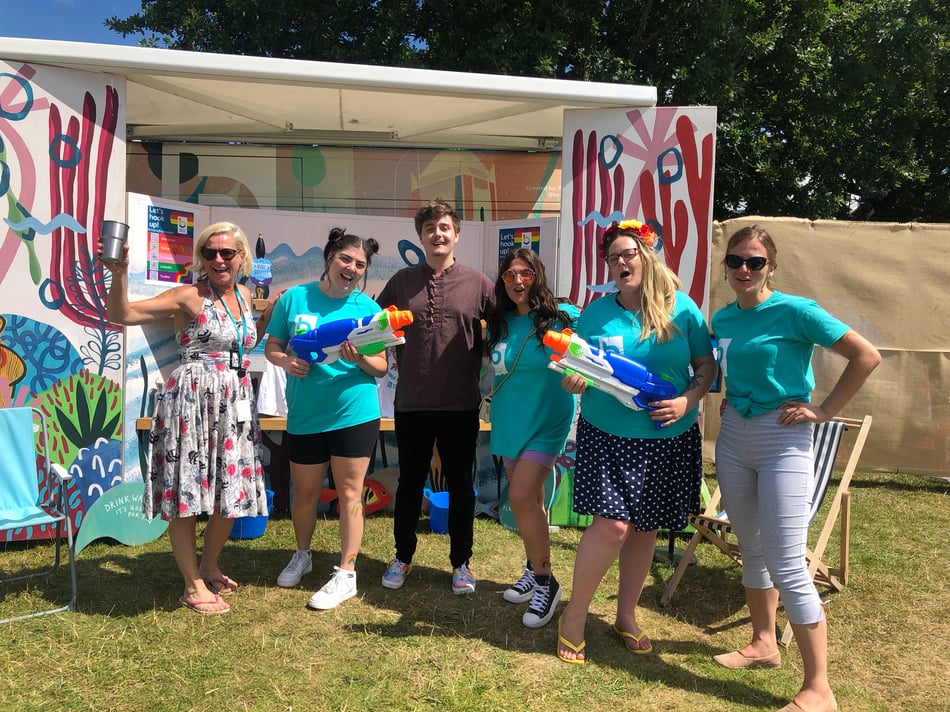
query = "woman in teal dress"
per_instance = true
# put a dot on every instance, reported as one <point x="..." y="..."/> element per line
<point x="531" y="415"/>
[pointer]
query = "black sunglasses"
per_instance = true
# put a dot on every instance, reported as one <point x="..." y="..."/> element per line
<point x="754" y="263"/>
<point x="227" y="254"/>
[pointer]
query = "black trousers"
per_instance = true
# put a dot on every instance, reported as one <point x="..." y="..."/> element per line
<point x="455" y="434"/>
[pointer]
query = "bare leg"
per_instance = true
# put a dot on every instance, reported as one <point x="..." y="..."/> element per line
<point x="636" y="557"/>
<point x="308" y="484"/>
<point x="181" y="533"/>
<point x="526" y="494"/>
<point x="216" y="536"/>
<point x="763" y="603"/>
<point x="597" y="550"/>
<point x="812" y="642"/>
<point x="349" y="473"/>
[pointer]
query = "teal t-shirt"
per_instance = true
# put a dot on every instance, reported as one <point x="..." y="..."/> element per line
<point x="530" y="411"/>
<point x="331" y="396"/>
<point x="767" y="350"/>
<point x="608" y="326"/>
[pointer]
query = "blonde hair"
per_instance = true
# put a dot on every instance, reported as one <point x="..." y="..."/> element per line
<point x="240" y="244"/>
<point x="660" y="284"/>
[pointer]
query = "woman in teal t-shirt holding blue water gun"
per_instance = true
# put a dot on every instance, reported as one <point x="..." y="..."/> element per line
<point x="332" y="409"/>
<point x="636" y="470"/>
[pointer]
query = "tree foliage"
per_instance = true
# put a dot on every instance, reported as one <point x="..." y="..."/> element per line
<point x="820" y="103"/>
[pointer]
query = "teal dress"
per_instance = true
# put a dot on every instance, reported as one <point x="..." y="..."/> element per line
<point x="531" y="411"/>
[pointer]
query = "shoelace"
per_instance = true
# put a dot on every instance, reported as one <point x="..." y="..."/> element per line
<point x="539" y="601"/>
<point x="526" y="582"/>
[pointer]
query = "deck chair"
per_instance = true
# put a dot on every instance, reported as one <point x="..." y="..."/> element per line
<point x="713" y="524"/>
<point x="33" y="493"/>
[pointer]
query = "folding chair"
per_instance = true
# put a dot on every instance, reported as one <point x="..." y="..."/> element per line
<point x="33" y="492"/>
<point x="713" y="524"/>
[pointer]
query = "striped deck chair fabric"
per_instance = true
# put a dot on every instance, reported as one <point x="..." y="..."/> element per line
<point x="713" y="524"/>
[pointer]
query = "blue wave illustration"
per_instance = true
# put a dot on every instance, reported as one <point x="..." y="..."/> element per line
<point x="61" y="220"/>
<point x="601" y="220"/>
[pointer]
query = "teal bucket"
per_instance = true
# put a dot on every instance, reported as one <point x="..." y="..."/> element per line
<point x="252" y="527"/>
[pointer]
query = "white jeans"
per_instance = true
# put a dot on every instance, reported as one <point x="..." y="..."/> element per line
<point x="765" y="471"/>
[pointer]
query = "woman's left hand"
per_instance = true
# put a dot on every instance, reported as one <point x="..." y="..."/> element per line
<point x="349" y="353"/>
<point x="667" y="412"/>
<point x="796" y="412"/>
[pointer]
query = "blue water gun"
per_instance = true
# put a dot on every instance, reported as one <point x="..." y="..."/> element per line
<point x="626" y="380"/>
<point x="370" y="335"/>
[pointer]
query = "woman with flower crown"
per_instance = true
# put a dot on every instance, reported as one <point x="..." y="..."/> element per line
<point x="636" y="470"/>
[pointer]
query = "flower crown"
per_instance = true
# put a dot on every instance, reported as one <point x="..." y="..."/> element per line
<point x="646" y="234"/>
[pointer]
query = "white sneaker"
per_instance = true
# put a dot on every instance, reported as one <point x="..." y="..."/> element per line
<point x="300" y="564"/>
<point x="341" y="586"/>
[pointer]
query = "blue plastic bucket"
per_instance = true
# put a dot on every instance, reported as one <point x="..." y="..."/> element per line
<point x="252" y="527"/>
<point x="439" y="510"/>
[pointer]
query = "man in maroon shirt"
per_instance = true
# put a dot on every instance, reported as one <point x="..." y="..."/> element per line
<point x="437" y="393"/>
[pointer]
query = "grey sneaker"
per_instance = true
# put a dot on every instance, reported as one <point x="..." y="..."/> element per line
<point x="300" y="563"/>
<point x="463" y="580"/>
<point x="543" y="603"/>
<point x="395" y="575"/>
<point x="341" y="586"/>
<point x="522" y="589"/>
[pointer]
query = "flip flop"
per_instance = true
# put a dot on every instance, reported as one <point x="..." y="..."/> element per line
<point x="222" y="585"/>
<point x="200" y="607"/>
<point x="624" y="634"/>
<point x="580" y="648"/>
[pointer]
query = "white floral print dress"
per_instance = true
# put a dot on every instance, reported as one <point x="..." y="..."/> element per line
<point x="202" y="459"/>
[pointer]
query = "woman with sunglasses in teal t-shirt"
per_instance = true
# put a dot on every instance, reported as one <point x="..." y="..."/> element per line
<point x="764" y="460"/>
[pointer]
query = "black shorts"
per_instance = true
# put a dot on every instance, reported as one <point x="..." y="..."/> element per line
<point x="317" y="448"/>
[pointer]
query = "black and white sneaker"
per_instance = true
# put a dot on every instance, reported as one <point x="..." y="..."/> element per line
<point x="543" y="603"/>
<point x="521" y="590"/>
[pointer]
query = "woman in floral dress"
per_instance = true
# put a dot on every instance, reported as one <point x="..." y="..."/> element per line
<point x="205" y="439"/>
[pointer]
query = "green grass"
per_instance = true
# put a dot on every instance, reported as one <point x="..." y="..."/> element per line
<point x="130" y="646"/>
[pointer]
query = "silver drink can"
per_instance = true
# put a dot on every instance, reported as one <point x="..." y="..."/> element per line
<point x="113" y="236"/>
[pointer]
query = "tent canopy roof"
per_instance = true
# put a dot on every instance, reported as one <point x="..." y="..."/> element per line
<point x="193" y="96"/>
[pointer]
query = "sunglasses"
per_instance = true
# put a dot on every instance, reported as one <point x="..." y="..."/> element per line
<point x="227" y="254"/>
<point x="627" y="256"/>
<point x="527" y="276"/>
<point x="753" y="263"/>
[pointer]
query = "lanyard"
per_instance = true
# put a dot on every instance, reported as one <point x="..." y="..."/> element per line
<point x="241" y="330"/>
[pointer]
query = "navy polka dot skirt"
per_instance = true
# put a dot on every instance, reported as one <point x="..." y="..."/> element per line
<point x="651" y="482"/>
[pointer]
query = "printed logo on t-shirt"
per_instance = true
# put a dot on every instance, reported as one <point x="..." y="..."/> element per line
<point x="498" y="359"/>
<point x="611" y="343"/>
<point x="724" y="360"/>
<point x="304" y="323"/>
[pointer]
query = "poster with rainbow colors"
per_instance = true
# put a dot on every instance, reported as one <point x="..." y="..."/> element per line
<point x="171" y="235"/>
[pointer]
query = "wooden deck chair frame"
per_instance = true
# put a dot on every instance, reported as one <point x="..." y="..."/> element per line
<point x="24" y="503"/>
<point x="712" y="527"/>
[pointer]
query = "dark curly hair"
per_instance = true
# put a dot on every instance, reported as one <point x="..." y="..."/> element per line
<point x="340" y="239"/>
<point x="541" y="300"/>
